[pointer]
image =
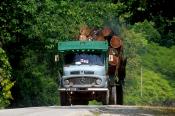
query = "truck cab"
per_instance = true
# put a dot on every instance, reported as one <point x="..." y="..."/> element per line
<point x="84" y="72"/>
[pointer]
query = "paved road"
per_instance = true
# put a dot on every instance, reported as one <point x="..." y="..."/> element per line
<point x="89" y="111"/>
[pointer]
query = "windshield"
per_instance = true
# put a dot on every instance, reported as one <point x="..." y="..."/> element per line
<point x="84" y="58"/>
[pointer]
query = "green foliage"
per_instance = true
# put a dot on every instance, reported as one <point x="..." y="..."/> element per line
<point x="134" y="44"/>
<point x="94" y="102"/>
<point x="148" y="30"/>
<point x="34" y="84"/>
<point x="155" y="90"/>
<point x="160" y="59"/>
<point x="62" y="20"/>
<point x="31" y="29"/>
<point x="158" y="65"/>
<point x="159" y="12"/>
<point x="34" y="29"/>
<point x="5" y="82"/>
<point x="166" y="28"/>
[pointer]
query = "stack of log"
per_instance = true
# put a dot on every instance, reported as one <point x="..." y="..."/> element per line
<point x="116" y="59"/>
<point x="117" y="62"/>
<point x="87" y="33"/>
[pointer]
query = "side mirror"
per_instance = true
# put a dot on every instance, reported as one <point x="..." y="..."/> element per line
<point x="56" y="58"/>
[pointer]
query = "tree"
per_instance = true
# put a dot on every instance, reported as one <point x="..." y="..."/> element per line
<point x="159" y="12"/>
<point x="5" y="80"/>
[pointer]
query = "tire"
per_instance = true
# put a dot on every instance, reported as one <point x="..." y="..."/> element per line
<point x="113" y="96"/>
<point x="64" y="99"/>
<point x="105" y="98"/>
<point x="120" y="94"/>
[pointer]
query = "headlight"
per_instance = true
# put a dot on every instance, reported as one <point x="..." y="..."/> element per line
<point x="98" y="81"/>
<point x="66" y="82"/>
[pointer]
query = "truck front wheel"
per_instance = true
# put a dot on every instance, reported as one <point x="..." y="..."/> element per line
<point x="64" y="100"/>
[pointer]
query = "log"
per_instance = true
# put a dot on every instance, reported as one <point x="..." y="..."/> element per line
<point x="116" y="41"/>
<point x="106" y="31"/>
<point x="85" y="30"/>
<point x="100" y="38"/>
<point x="82" y="38"/>
<point x="95" y="34"/>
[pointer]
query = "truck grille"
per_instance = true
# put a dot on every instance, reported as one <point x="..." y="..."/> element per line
<point x="82" y="80"/>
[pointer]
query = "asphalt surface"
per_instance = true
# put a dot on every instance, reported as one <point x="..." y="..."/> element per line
<point x="107" y="110"/>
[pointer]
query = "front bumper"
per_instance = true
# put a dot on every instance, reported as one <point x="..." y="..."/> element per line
<point x="83" y="89"/>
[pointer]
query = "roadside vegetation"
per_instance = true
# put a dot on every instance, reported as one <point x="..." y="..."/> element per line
<point x="31" y="29"/>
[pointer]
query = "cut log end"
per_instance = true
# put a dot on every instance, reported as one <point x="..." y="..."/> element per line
<point x="107" y="31"/>
<point x="116" y="42"/>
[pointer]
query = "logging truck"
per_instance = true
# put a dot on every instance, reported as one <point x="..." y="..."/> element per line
<point x="91" y="70"/>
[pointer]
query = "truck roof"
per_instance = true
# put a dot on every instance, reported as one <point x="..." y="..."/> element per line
<point x="74" y="46"/>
